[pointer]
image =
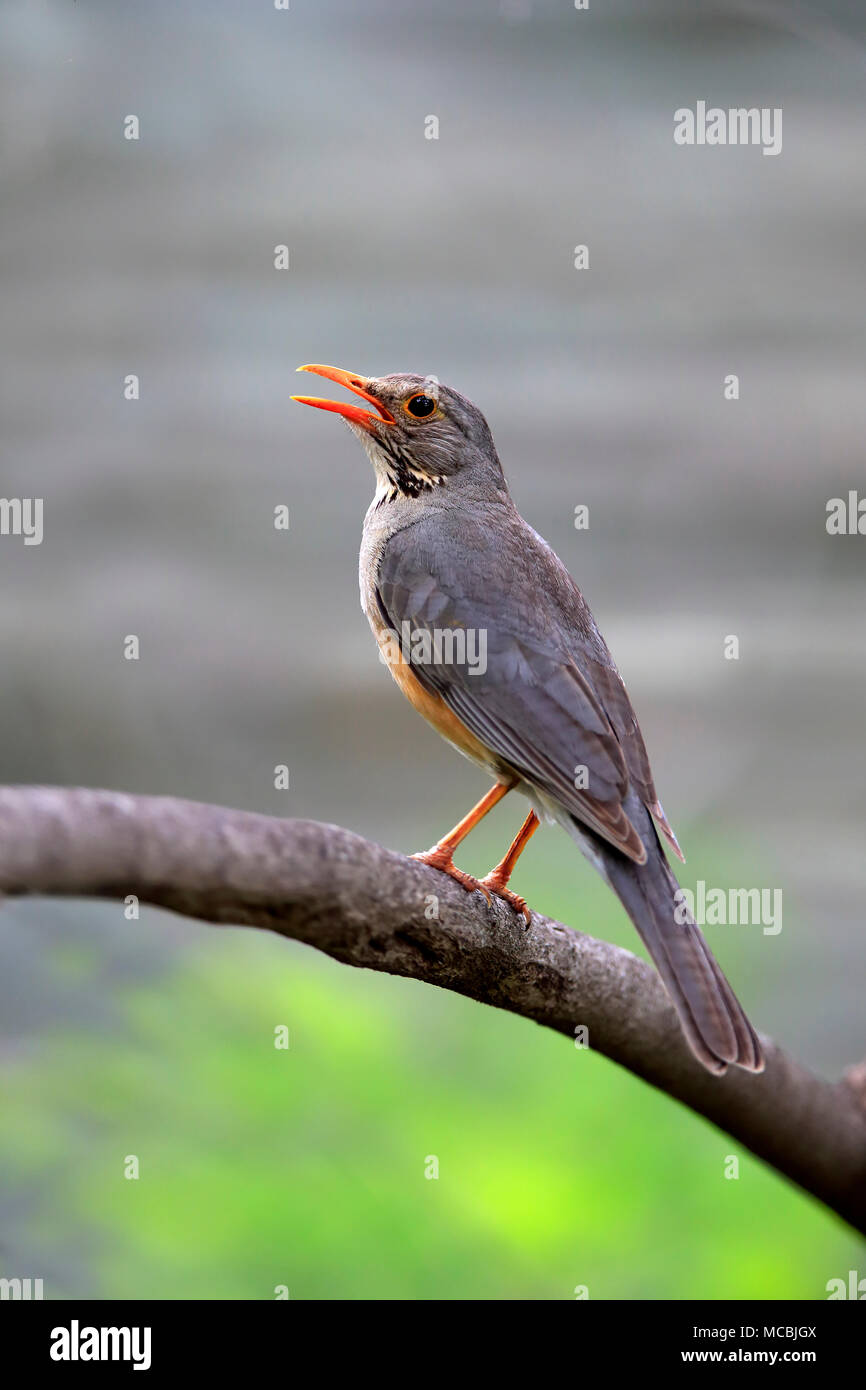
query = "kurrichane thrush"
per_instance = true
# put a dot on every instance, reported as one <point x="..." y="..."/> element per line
<point x="446" y="557"/>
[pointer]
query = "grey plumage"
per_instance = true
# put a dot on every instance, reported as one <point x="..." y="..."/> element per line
<point x="444" y="547"/>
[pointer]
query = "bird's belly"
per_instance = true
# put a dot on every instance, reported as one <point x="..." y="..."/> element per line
<point x="437" y="713"/>
<point x="431" y="706"/>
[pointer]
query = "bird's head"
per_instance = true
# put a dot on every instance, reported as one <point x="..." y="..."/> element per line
<point x="419" y="434"/>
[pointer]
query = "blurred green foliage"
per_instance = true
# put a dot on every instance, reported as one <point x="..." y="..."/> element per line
<point x="305" y="1167"/>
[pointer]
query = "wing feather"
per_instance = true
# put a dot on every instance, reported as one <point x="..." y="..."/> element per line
<point x="549" y="701"/>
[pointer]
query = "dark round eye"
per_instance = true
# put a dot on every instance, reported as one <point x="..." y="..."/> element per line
<point x="420" y="406"/>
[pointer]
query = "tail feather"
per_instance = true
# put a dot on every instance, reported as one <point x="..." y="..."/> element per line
<point x="749" y="1052"/>
<point x="712" y="1018"/>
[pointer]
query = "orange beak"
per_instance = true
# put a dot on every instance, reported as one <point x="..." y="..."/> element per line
<point x="353" y="413"/>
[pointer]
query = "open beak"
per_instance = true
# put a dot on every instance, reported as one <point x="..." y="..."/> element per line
<point x="353" y="413"/>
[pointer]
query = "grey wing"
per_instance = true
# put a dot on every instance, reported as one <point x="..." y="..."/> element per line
<point x="530" y="703"/>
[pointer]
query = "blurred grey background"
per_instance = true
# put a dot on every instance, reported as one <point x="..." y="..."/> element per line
<point x="455" y="256"/>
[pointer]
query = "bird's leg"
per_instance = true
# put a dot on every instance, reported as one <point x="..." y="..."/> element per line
<point x="441" y="856"/>
<point x="497" y="880"/>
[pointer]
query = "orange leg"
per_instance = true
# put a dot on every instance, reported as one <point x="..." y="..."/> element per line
<point x="441" y="856"/>
<point x="497" y="879"/>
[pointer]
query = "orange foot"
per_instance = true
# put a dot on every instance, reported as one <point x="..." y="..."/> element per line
<point x="496" y="884"/>
<point x="439" y="858"/>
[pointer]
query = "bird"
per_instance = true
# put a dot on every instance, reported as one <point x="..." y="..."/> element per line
<point x="449" y="568"/>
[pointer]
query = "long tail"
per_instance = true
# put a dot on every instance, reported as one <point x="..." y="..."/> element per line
<point x="712" y="1018"/>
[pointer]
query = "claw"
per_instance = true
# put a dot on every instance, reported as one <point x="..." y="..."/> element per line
<point x="440" y="859"/>
<point x="495" y="885"/>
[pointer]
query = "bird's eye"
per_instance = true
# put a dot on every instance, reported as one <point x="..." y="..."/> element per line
<point x="420" y="406"/>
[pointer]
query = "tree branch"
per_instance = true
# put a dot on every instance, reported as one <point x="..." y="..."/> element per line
<point x="367" y="906"/>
